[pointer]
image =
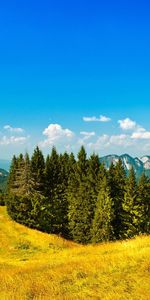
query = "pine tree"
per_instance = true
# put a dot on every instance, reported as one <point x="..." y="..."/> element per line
<point x="80" y="214"/>
<point x="62" y="189"/>
<point x="12" y="175"/>
<point x="77" y="198"/>
<point x="37" y="171"/>
<point x="71" y="164"/>
<point x="94" y="173"/>
<point x="19" y="198"/>
<point x="143" y="200"/>
<point x="130" y="206"/>
<point x="56" y="174"/>
<point x="82" y="164"/>
<point x="117" y="181"/>
<point x="19" y="179"/>
<point x="52" y="173"/>
<point x="102" y="229"/>
<point x="82" y="193"/>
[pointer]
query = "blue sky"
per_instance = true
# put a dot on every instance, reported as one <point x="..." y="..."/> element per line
<point x="61" y="61"/>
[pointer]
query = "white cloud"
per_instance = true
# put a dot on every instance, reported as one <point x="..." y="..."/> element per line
<point x="101" y="118"/>
<point x="101" y="142"/>
<point x="127" y="124"/>
<point x="55" y="133"/>
<point x="13" y="140"/>
<point x="138" y="131"/>
<point x="120" y="140"/>
<point x="106" y="141"/>
<point x="87" y="135"/>
<point x="13" y="129"/>
<point x="143" y="134"/>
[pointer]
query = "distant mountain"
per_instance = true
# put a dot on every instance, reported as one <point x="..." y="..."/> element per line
<point x="139" y="164"/>
<point x="3" y="179"/>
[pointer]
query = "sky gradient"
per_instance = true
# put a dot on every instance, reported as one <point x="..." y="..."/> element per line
<point x="62" y="61"/>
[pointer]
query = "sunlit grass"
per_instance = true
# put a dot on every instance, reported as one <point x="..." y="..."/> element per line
<point x="36" y="265"/>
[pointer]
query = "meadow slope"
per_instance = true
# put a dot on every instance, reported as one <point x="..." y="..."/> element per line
<point x="36" y="265"/>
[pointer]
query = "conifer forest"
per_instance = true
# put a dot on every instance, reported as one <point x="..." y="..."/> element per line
<point x="78" y="199"/>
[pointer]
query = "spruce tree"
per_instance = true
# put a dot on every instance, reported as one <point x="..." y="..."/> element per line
<point x="117" y="181"/>
<point x="82" y="164"/>
<point x="62" y="194"/>
<point x="94" y="172"/>
<point x="37" y="170"/>
<point x="102" y="229"/>
<point x="19" y="199"/>
<point x="143" y="201"/>
<point x="130" y="206"/>
<point x="78" y="198"/>
<point x="12" y="175"/>
<point x="56" y="175"/>
<point x="71" y="164"/>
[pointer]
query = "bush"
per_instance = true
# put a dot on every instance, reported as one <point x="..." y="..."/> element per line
<point x="2" y="199"/>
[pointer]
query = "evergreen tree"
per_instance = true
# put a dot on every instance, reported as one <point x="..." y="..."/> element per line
<point x="71" y="164"/>
<point x="143" y="200"/>
<point x="62" y="195"/>
<point x="19" y="178"/>
<point x="130" y="206"/>
<point x="80" y="214"/>
<point x="82" y="164"/>
<point x="2" y="198"/>
<point x="37" y="170"/>
<point x="93" y="178"/>
<point x="102" y="229"/>
<point x="80" y="199"/>
<point x="117" y="181"/>
<point x="19" y="198"/>
<point x="56" y="174"/>
<point x="52" y="173"/>
<point x="12" y="175"/>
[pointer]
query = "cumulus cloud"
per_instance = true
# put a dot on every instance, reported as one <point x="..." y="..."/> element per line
<point x="86" y="136"/>
<point x="13" y="129"/>
<point x="138" y="131"/>
<point x="55" y="133"/>
<point x="143" y="134"/>
<point x="105" y="141"/>
<point x="12" y="140"/>
<point x="127" y="124"/>
<point x="101" y="118"/>
<point x="121" y="140"/>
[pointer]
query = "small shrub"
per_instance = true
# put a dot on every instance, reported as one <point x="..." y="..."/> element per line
<point x="23" y="245"/>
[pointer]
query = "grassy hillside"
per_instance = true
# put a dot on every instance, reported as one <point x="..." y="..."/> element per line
<point x="35" y="265"/>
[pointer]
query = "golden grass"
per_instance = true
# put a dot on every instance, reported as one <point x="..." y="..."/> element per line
<point x="36" y="265"/>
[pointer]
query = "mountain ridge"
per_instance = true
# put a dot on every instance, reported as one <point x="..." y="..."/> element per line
<point x="139" y="165"/>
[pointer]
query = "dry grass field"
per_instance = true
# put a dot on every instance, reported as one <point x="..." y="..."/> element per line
<point x="35" y="265"/>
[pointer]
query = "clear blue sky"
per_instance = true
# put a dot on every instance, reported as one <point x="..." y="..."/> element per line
<point x="61" y="61"/>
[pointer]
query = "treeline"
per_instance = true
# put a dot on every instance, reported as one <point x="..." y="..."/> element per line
<point x="78" y="198"/>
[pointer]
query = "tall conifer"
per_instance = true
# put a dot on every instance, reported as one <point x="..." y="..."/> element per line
<point x="143" y="200"/>
<point x="102" y="229"/>
<point x="130" y="206"/>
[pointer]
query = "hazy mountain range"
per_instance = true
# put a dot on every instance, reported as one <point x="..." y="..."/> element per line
<point x="140" y="165"/>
